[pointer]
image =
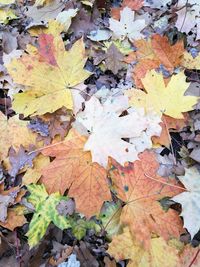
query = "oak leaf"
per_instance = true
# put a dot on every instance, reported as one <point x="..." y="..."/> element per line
<point x="48" y="74"/>
<point x="169" y="100"/>
<point x="124" y="246"/>
<point x="73" y="169"/>
<point x="141" y="189"/>
<point x="14" y="132"/>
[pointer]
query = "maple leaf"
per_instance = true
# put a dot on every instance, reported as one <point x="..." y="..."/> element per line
<point x="33" y="174"/>
<point x="19" y="159"/>
<point x="73" y="169"/>
<point x="132" y="4"/>
<point x="114" y="59"/>
<point x="169" y="124"/>
<point x="142" y="212"/>
<point x="107" y="128"/>
<point x="65" y="17"/>
<point x="168" y="55"/>
<point x="190" y="200"/>
<point x="124" y="246"/>
<point x="13" y="220"/>
<point x="127" y="26"/>
<point x="42" y="2"/>
<point x="9" y="198"/>
<point x="142" y="68"/>
<point x="110" y="217"/>
<point x="153" y="53"/>
<point x="45" y="213"/>
<point x="169" y="100"/>
<point x="14" y="132"/>
<point x="189" y="62"/>
<point x="188" y="13"/>
<point x="48" y="73"/>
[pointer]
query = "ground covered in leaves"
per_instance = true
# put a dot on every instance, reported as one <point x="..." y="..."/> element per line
<point x="100" y="133"/>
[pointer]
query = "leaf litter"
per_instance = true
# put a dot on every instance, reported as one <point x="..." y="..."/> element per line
<point x="100" y="133"/>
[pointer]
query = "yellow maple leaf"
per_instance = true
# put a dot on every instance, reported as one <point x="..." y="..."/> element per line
<point x="42" y="2"/>
<point x="124" y="246"/>
<point x="54" y="27"/>
<point x="14" y="132"/>
<point x="33" y="174"/>
<point x="49" y="74"/>
<point x="189" y="62"/>
<point x="168" y="100"/>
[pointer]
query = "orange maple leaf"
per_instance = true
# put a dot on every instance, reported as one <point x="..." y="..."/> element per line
<point x="169" y="124"/>
<point x="169" y="55"/>
<point x="73" y="169"/>
<point x="153" y="52"/>
<point x="141" y="189"/>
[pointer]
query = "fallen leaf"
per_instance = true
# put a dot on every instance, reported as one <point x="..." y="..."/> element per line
<point x="168" y="55"/>
<point x="124" y="246"/>
<point x="6" y="15"/>
<point x="189" y="62"/>
<point x="45" y="213"/>
<point x="73" y="169"/>
<point x="110" y="217"/>
<point x="114" y="59"/>
<point x="65" y="17"/>
<point x="143" y="212"/>
<point x="19" y="159"/>
<point x="127" y="26"/>
<point x="190" y="200"/>
<point x="14" y="220"/>
<point x="45" y="69"/>
<point x="45" y="13"/>
<point x="132" y="4"/>
<point x="169" y="100"/>
<point x="169" y="124"/>
<point x="14" y="132"/>
<point x="33" y="174"/>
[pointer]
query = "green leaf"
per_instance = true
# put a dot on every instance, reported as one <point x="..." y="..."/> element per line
<point x="110" y="217"/>
<point x="45" y="213"/>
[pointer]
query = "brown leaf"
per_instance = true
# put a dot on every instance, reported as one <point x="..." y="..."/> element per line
<point x="114" y="59"/>
<point x="13" y="220"/>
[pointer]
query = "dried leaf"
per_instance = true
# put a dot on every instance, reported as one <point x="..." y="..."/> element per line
<point x="45" y="69"/>
<point x="142" y="212"/>
<point x="73" y="169"/>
